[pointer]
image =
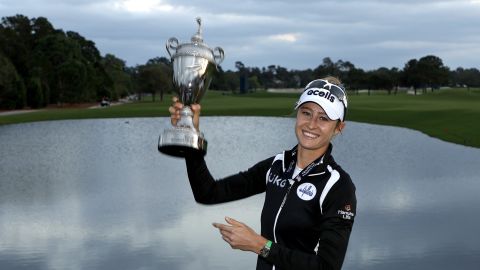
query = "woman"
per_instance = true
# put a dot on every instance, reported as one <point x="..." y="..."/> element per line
<point x="310" y="200"/>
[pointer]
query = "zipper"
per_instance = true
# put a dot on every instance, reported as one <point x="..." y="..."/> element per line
<point x="280" y="210"/>
<point x="278" y="214"/>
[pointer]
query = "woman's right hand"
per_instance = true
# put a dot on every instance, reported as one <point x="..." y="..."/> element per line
<point x="177" y="107"/>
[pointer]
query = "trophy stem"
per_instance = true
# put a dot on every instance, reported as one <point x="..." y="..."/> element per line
<point x="183" y="139"/>
<point x="186" y="118"/>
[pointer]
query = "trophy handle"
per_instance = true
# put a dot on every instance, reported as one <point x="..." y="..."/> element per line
<point x="218" y="55"/>
<point x="172" y="43"/>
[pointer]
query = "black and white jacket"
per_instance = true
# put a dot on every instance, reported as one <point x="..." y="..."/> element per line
<point x="309" y="220"/>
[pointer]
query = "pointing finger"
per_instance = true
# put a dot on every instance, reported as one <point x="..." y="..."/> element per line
<point x="222" y="227"/>
<point x="233" y="221"/>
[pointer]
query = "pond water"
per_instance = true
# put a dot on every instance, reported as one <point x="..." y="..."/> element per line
<point x="96" y="194"/>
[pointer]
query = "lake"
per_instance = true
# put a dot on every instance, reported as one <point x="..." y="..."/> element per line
<point x="96" y="194"/>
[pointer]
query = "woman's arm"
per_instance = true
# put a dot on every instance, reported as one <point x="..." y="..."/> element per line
<point x="207" y="190"/>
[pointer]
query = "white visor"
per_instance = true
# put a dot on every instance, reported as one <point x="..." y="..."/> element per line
<point x="332" y="106"/>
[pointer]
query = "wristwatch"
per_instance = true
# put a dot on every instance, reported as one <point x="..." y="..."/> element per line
<point x="266" y="249"/>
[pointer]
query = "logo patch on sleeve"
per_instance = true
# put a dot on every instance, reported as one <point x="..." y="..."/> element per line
<point x="306" y="191"/>
<point x="346" y="213"/>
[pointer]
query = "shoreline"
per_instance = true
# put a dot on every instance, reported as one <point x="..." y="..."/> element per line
<point x="13" y="112"/>
<point x="67" y="106"/>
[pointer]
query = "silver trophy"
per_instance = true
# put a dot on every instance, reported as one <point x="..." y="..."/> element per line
<point x="193" y="64"/>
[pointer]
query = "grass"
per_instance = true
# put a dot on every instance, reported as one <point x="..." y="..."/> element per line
<point x="451" y="115"/>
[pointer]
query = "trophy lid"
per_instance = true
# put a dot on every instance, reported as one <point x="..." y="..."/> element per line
<point x="196" y="47"/>
<point x="197" y="38"/>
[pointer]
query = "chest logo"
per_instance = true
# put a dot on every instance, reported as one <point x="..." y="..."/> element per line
<point x="276" y="180"/>
<point x="306" y="191"/>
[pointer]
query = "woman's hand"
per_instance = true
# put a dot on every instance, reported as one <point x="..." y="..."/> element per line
<point x="240" y="236"/>
<point x="176" y="108"/>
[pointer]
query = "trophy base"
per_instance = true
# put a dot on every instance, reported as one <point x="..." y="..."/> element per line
<point x="182" y="142"/>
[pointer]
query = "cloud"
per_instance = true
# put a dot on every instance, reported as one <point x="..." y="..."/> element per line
<point x="291" y="38"/>
<point x="142" y="6"/>
<point x="295" y="35"/>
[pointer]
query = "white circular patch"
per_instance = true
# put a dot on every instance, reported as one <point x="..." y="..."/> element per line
<point x="306" y="191"/>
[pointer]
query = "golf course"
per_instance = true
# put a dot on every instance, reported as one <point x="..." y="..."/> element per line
<point x="451" y="115"/>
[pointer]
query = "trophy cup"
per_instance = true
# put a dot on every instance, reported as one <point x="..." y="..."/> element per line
<point x="193" y="64"/>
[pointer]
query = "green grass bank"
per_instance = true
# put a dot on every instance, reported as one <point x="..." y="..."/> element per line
<point x="452" y="115"/>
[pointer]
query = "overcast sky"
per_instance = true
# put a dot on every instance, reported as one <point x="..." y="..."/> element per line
<point x="296" y="34"/>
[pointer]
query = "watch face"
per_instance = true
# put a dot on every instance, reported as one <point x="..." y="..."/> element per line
<point x="264" y="252"/>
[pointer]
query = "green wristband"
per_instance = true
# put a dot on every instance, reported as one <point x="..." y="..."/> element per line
<point x="266" y="249"/>
<point x="268" y="244"/>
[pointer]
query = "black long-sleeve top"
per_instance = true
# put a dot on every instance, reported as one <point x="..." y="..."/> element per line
<point x="308" y="219"/>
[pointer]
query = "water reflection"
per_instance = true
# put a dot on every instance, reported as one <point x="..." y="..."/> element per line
<point x="96" y="194"/>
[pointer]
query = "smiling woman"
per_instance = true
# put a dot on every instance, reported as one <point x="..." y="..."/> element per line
<point x="310" y="201"/>
<point x="142" y="6"/>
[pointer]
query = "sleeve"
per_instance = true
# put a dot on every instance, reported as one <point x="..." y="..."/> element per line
<point x="207" y="190"/>
<point x="335" y="229"/>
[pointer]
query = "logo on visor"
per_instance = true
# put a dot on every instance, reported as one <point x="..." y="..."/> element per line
<point x="323" y="94"/>
<point x="306" y="191"/>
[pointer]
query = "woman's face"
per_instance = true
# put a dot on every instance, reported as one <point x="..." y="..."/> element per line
<point x="314" y="130"/>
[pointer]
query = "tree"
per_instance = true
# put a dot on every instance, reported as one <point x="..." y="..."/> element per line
<point x="12" y="89"/>
<point x="428" y="71"/>
<point x="432" y="72"/>
<point x="71" y="81"/>
<point x="71" y="68"/>
<point x="469" y="77"/>
<point x="243" y="74"/>
<point x="99" y="80"/>
<point x="116" y="70"/>
<point x="305" y="77"/>
<point x="154" y="77"/>
<point x="327" y="68"/>
<point x="88" y="50"/>
<point x="218" y="79"/>
<point x="41" y="28"/>
<point x="381" y="79"/>
<point x="17" y="42"/>
<point x="395" y="76"/>
<point x="411" y="76"/>
<point x="255" y="80"/>
<point x="254" y="83"/>
<point x="232" y="81"/>
<point x="55" y="67"/>
<point x="356" y="79"/>
<point x="284" y="77"/>
<point x="49" y="62"/>
<point x="35" y="95"/>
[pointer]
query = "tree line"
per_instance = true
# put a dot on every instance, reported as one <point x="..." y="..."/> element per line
<point x="41" y="65"/>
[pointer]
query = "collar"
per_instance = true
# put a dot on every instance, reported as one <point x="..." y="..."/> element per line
<point x="290" y="160"/>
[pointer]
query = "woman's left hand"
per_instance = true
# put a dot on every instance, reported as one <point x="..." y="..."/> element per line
<point x="240" y="236"/>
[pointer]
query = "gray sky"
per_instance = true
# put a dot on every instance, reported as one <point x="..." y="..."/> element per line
<point x="296" y="34"/>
